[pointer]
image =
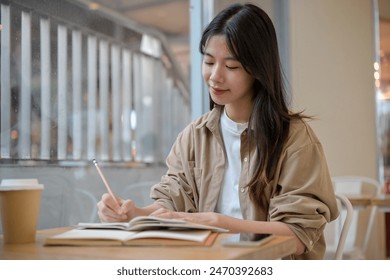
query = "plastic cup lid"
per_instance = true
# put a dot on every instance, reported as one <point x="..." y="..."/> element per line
<point x="20" y="184"/>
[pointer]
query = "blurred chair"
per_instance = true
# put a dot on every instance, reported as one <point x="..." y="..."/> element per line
<point x="82" y="207"/>
<point x="62" y="204"/>
<point x="363" y="217"/>
<point x="337" y="231"/>
<point x="139" y="192"/>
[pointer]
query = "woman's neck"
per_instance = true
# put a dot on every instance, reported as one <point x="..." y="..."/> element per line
<point x="238" y="114"/>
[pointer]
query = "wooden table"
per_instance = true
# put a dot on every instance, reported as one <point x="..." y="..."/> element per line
<point x="279" y="247"/>
<point x="379" y="202"/>
<point x="382" y="201"/>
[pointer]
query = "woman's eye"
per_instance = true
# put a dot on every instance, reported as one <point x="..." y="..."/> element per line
<point x="231" y="67"/>
<point x="208" y="63"/>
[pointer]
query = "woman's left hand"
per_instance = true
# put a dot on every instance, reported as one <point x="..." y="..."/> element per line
<point x="207" y="218"/>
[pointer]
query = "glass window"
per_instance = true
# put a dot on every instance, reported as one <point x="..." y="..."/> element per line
<point x="77" y="84"/>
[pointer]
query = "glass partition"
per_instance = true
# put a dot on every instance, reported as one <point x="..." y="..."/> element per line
<point x="75" y="85"/>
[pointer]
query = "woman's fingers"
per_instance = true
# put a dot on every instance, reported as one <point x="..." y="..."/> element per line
<point x="109" y="211"/>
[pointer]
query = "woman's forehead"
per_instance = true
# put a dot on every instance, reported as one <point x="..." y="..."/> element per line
<point x="217" y="45"/>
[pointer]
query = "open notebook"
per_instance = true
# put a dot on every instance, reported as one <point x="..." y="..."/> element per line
<point x="141" y="231"/>
<point x="150" y="223"/>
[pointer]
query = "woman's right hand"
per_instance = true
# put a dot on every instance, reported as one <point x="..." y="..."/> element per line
<point x="115" y="211"/>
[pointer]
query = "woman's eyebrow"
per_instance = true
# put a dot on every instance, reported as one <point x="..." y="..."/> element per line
<point x="208" y="54"/>
<point x="231" y="58"/>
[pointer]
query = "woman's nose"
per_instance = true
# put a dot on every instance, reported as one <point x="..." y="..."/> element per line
<point x="216" y="75"/>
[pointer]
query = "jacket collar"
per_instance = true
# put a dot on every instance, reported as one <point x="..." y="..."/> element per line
<point x="211" y="119"/>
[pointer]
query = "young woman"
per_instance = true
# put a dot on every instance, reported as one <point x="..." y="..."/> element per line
<point x="249" y="165"/>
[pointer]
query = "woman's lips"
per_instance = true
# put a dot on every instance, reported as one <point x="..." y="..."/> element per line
<point x="217" y="91"/>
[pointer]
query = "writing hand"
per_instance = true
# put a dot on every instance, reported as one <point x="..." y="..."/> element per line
<point x="110" y="211"/>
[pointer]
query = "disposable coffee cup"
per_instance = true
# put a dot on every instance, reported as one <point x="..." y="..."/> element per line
<point x="19" y="209"/>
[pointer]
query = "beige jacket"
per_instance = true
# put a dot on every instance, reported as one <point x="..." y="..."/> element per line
<point x="301" y="194"/>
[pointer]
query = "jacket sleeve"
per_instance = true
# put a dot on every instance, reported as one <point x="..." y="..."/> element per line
<point x="305" y="198"/>
<point x="176" y="190"/>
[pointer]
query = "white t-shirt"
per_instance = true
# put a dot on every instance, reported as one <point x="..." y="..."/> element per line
<point x="228" y="202"/>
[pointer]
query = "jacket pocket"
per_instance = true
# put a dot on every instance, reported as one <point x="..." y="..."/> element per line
<point x="198" y="177"/>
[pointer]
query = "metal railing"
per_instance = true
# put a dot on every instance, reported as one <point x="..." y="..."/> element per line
<point x="75" y="85"/>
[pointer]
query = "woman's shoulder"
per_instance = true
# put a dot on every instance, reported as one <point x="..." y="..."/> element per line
<point x="301" y="132"/>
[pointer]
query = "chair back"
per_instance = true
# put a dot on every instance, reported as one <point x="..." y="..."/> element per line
<point x="83" y="207"/>
<point x="357" y="241"/>
<point x="139" y="192"/>
<point x="343" y="223"/>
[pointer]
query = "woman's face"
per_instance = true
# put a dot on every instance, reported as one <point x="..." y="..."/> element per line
<point x="228" y="82"/>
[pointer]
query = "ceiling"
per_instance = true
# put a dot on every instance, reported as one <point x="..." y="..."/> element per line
<point x="171" y="17"/>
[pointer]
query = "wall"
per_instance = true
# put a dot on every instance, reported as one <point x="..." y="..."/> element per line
<point x="332" y="79"/>
<point x="331" y="58"/>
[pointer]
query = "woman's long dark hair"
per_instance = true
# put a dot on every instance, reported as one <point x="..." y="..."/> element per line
<point x="251" y="38"/>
